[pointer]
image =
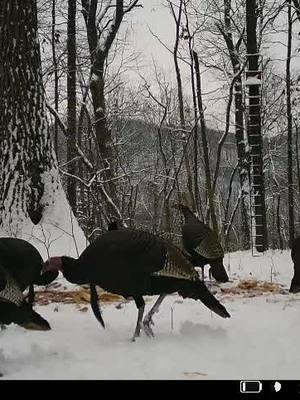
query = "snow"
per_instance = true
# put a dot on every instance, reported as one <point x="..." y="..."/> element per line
<point x="260" y="341"/>
<point x="58" y="233"/>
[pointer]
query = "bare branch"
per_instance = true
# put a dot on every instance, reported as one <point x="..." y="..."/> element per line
<point x="131" y="6"/>
<point x="57" y="118"/>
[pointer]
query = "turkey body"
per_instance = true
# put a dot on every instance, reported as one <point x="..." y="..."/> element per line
<point x="126" y="260"/>
<point x="24" y="263"/>
<point x="295" y="254"/>
<point x="202" y="244"/>
<point x="13" y="307"/>
<point x="20" y="267"/>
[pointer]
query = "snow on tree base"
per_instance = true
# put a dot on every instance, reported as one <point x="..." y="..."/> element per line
<point x="58" y="233"/>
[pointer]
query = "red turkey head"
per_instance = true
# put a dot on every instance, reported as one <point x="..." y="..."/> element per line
<point x="53" y="264"/>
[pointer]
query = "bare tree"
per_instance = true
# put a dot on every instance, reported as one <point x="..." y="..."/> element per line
<point x="101" y="33"/>
<point x="209" y="187"/>
<point x="54" y="40"/>
<point x="290" y="127"/>
<point x="178" y="23"/>
<point x="234" y="50"/>
<point x="71" y="102"/>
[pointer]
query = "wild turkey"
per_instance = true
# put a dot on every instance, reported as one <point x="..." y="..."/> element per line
<point x="202" y="244"/>
<point x="134" y="263"/>
<point x="116" y="225"/>
<point x="24" y="263"/>
<point x="14" y="308"/>
<point x="295" y="254"/>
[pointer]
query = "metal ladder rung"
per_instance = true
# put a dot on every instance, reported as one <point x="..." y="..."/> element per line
<point x="254" y="71"/>
<point x="258" y="83"/>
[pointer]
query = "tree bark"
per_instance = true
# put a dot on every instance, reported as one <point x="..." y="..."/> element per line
<point x="180" y="98"/>
<point x="25" y="144"/>
<point x="71" y="104"/>
<point x="55" y="67"/>
<point x="205" y="146"/>
<point x="290" y="129"/>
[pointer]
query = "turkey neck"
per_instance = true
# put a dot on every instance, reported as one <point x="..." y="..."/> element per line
<point x="189" y="216"/>
<point x="73" y="271"/>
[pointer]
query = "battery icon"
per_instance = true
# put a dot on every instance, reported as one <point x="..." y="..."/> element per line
<point x="250" y="386"/>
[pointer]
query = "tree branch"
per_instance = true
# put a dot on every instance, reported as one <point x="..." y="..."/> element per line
<point x="57" y="118"/>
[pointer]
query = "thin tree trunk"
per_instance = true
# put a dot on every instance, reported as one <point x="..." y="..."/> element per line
<point x="99" y="47"/>
<point x="297" y="158"/>
<point x="55" y="67"/>
<point x="180" y="99"/>
<point x="289" y="129"/>
<point x="278" y="222"/>
<point x="243" y="163"/>
<point x="71" y="111"/>
<point x="198" y="205"/>
<point x="234" y="50"/>
<point x="205" y="146"/>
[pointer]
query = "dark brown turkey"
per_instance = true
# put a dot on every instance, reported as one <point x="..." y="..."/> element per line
<point x="202" y="244"/>
<point x="295" y="254"/>
<point x="134" y="263"/>
<point x="13" y="306"/>
<point x="20" y="268"/>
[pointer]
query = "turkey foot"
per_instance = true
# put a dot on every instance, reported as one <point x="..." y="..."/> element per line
<point x="147" y="328"/>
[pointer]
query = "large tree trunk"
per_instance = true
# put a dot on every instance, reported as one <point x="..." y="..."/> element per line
<point x="71" y="91"/>
<point x="25" y="145"/>
<point x="255" y="132"/>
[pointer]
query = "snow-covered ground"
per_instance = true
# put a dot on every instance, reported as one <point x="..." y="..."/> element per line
<point x="260" y="341"/>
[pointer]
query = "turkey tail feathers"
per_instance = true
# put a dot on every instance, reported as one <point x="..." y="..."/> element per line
<point x="198" y="291"/>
